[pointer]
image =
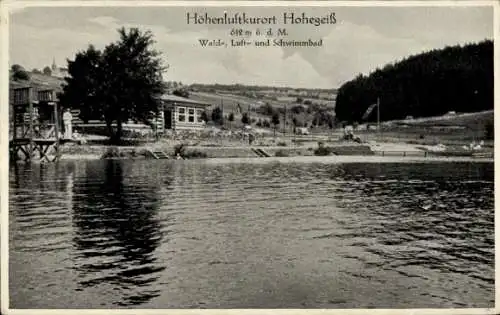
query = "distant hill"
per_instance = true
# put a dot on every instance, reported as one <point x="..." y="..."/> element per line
<point x="241" y="87"/>
<point x="458" y="78"/>
<point x="266" y="92"/>
<point x="40" y="81"/>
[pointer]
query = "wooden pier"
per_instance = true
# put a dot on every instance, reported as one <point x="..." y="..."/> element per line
<point x="29" y="147"/>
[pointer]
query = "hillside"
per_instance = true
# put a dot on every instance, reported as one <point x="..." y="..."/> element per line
<point x="458" y="78"/>
<point x="40" y="81"/>
<point x="306" y="113"/>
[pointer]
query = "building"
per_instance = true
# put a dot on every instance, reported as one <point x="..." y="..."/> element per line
<point x="176" y="113"/>
<point x="32" y="110"/>
<point x="179" y="113"/>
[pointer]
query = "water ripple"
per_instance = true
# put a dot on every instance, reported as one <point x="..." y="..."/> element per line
<point x="199" y="235"/>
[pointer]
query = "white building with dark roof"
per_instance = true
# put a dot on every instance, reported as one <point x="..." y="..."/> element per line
<point x="180" y="113"/>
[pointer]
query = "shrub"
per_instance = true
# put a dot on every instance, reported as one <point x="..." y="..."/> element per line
<point x="245" y="118"/>
<point x="281" y="153"/>
<point x="111" y="152"/>
<point x="194" y="154"/>
<point x="323" y="151"/>
<point x="282" y="144"/>
<point x="180" y="149"/>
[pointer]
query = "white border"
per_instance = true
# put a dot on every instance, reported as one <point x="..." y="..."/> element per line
<point x="4" y="158"/>
<point x="10" y="5"/>
<point x="16" y="4"/>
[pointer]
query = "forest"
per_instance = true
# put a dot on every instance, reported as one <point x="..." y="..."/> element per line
<point x="456" y="78"/>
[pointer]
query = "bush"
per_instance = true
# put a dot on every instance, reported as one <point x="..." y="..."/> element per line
<point x="180" y="149"/>
<point x="111" y="152"/>
<point x="245" y="119"/>
<point x="181" y="92"/>
<point x="194" y="154"/>
<point x="281" y="153"/>
<point x="115" y="153"/>
<point x="323" y="151"/>
<point x="282" y="144"/>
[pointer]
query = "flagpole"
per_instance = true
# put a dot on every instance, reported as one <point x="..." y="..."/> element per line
<point x="222" y="118"/>
<point x="284" y="122"/>
<point x="222" y="110"/>
<point x="378" y="117"/>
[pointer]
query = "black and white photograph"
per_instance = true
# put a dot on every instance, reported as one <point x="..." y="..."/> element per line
<point x="248" y="155"/>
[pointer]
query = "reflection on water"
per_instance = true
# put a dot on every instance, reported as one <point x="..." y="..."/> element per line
<point x="189" y="234"/>
<point x="116" y="234"/>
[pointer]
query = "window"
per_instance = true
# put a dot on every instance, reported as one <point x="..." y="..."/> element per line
<point x="182" y="114"/>
<point x="199" y="115"/>
<point x="191" y="115"/>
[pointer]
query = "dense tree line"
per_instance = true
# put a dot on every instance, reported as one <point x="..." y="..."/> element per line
<point x="458" y="78"/>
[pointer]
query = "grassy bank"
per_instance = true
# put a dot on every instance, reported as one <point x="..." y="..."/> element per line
<point x="195" y="152"/>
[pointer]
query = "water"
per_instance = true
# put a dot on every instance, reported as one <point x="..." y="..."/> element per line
<point x="196" y="234"/>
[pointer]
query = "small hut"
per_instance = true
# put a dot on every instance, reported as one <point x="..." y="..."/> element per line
<point x="34" y="120"/>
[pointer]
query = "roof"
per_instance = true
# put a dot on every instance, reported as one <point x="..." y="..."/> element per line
<point x="178" y="99"/>
<point x="19" y="84"/>
<point x="39" y="82"/>
<point x="46" y="82"/>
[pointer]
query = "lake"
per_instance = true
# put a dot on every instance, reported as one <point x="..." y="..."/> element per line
<point x="199" y="234"/>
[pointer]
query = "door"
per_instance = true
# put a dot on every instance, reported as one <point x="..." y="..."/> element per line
<point x="168" y="118"/>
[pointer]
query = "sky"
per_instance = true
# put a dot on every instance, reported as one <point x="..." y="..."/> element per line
<point x="362" y="40"/>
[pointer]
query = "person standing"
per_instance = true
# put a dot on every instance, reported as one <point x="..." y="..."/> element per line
<point x="251" y="138"/>
<point x="67" y="118"/>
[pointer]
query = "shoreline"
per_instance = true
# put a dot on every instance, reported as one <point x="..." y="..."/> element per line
<point x="339" y="152"/>
<point x="304" y="159"/>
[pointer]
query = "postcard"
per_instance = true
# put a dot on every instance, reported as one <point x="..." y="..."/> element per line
<point x="260" y="156"/>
